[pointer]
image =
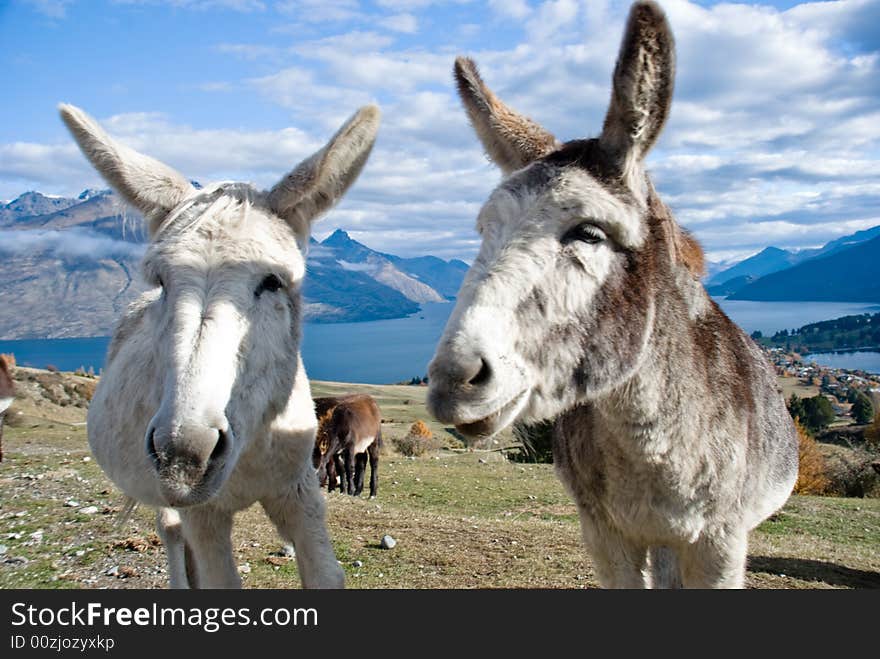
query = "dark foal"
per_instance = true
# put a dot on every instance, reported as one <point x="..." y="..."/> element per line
<point x="349" y="431"/>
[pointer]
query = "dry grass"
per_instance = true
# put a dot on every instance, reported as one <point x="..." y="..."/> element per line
<point x="812" y="470"/>
<point x="461" y="520"/>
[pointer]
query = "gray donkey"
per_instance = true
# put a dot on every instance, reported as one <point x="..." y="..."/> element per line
<point x="584" y="305"/>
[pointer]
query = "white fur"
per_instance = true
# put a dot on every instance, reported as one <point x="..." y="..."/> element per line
<point x="204" y="370"/>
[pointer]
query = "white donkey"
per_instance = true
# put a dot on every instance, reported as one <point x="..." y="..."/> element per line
<point x="204" y="407"/>
<point x="584" y="305"/>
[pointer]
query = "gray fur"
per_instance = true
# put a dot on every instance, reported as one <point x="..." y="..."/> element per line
<point x="670" y="432"/>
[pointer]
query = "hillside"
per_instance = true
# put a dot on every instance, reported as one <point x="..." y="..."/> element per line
<point x="772" y="259"/>
<point x="71" y="265"/>
<point x="848" y="275"/>
<point x="461" y="519"/>
<point x="845" y="333"/>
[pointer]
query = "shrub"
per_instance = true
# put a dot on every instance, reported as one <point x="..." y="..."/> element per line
<point x="418" y="441"/>
<point x="872" y="433"/>
<point x="862" y="410"/>
<point x="535" y="442"/>
<point x="812" y="476"/>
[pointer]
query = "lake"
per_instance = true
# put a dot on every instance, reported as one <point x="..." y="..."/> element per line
<point x="385" y="351"/>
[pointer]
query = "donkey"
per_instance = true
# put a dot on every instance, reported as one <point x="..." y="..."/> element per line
<point x="584" y="305"/>
<point x="7" y="394"/>
<point x="350" y="431"/>
<point x="204" y="406"/>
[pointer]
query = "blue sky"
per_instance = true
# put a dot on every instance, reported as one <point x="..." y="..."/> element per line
<point x="774" y="136"/>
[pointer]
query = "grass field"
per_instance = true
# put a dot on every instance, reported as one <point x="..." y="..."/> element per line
<point x="462" y="520"/>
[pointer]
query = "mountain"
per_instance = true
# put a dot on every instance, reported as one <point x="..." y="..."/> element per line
<point x="31" y="204"/>
<point x="768" y="260"/>
<point x="773" y="259"/>
<point x="353" y="256"/>
<point x="851" y="274"/>
<point x="69" y="267"/>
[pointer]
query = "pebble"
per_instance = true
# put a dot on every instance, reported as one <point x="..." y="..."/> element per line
<point x="72" y="503"/>
<point x="482" y="461"/>
<point x="113" y="571"/>
<point x="89" y="510"/>
<point x="87" y="459"/>
<point x="357" y="564"/>
<point x="244" y="568"/>
<point x="288" y="551"/>
<point x="388" y="542"/>
<point x="3" y="550"/>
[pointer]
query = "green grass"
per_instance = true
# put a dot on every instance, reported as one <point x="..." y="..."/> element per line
<point x="462" y="519"/>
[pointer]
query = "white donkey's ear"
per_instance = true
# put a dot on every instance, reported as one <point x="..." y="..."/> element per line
<point x="147" y="184"/>
<point x="642" y="86"/>
<point x="511" y="140"/>
<point x="320" y="180"/>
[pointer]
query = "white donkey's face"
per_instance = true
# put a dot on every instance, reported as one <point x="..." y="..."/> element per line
<point x="223" y="323"/>
<point x="557" y="306"/>
<point x="226" y="327"/>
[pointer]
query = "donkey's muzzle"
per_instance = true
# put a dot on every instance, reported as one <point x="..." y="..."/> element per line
<point x="189" y="459"/>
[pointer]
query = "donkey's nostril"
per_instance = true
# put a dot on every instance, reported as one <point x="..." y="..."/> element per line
<point x="483" y="375"/>
<point x="220" y="447"/>
<point x="152" y="453"/>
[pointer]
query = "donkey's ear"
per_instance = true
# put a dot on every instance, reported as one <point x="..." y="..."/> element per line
<point x="642" y="85"/>
<point x="511" y="140"/>
<point x="147" y="184"/>
<point x="320" y="180"/>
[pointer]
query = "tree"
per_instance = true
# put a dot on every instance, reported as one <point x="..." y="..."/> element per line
<point x="796" y="407"/>
<point x="818" y="413"/>
<point x="757" y="334"/>
<point x="862" y="410"/>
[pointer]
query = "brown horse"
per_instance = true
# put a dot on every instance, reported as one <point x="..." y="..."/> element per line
<point x="349" y="430"/>
<point x="7" y="392"/>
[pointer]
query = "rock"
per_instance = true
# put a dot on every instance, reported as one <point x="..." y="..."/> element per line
<point x="288" y="551"/>
<point x="87" y="459"/>
<point x="89" y="510"/>
<point x="72" y="503"/>
<point x="113" y="571"/>
<point x="357" y="564"/>
<point x="16" y="560"/>
<point x="3" y="550"/>
<point x="244" y="568"/>
<point x="388" y="542"/>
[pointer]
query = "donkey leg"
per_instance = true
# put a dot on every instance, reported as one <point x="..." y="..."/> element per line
<point x="665" y="571"/>
<point x="373" y="450"/>
<point x="340" y="471"/>
<point x="360" y="469"/>
<point x="715" y="561"/>
<point x="619" y="562"/>
<point x="299" y="516"/>
<point x="169" y="529"/>
<point x="349" y="471"/>
<point x="208" y="532"/>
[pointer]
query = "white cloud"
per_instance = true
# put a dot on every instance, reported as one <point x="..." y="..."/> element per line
<point x="774" y="135"/>
<point x="406" y="23"/>
<point x="51" y="8"/>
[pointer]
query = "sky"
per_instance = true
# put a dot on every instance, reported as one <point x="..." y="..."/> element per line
<point x="773" y="136"/>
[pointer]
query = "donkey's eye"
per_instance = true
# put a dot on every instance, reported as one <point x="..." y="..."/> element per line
<point x="270" y="283"/>
<point x="584" y="233"/>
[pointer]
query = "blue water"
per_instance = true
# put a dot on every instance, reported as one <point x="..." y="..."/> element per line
<point x="385" y="351"/>
<point x="376" y="352"/>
